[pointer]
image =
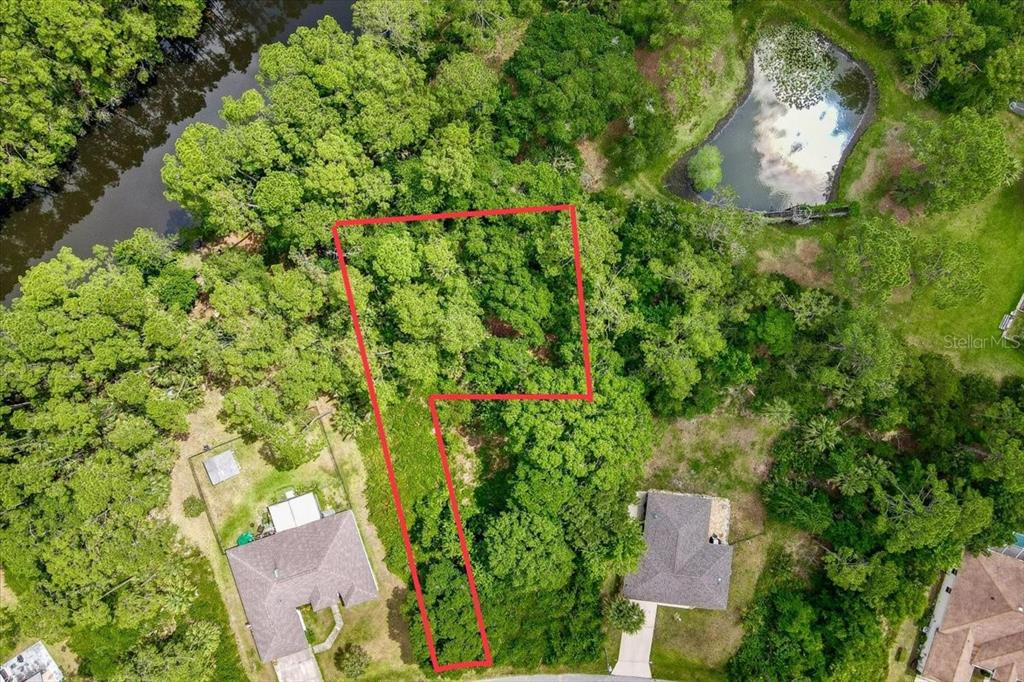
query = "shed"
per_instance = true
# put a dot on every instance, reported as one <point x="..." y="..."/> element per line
<point x="222" y="467"/>
<point x="294" y="512"/>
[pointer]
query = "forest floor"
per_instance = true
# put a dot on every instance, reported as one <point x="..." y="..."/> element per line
<point x="724" y="454"/>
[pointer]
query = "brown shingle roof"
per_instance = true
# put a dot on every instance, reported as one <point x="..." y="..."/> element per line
<point x="315" y="564"/>
<point x="984" y="624"/>
<point x="680" y="566"/>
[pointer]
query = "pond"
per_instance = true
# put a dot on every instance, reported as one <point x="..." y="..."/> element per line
<point x="113" y="185"/>
<point x="786" y="141"/>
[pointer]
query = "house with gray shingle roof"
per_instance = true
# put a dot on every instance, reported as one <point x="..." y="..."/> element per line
<point x="687" y="563"/>
<point x="320" y="563"/>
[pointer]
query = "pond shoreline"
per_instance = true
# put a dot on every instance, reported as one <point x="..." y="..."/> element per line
<point x="676" y="180"/>
<point x="175" y="52"/>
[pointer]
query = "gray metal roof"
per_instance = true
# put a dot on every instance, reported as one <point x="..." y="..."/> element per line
<point x="222" y="467"/>
<point x="680" y="566"/>
<point x="32" y="664"/>
<point x="319" y="564"/>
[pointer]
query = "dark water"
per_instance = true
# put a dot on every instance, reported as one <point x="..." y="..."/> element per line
<point x="784" y="144"/>
<point x="114" y="185"/>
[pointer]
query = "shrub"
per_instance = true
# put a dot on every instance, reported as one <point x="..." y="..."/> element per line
<point x="193" y="506"/>
<point x="176" y="287"/>
<point x="8" y="629"/>
<point x="705" y="168"/>
<point x="625" y="615"/>
<point x="351" y="660"/>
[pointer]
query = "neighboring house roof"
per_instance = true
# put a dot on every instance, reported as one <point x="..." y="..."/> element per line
<point x="34" y="664"/>
<point x="984" y="623"/>
<point x="294" y="512"/>
<point x="222" y="467"/>
<point x="681" y="567"/>
<point x="319" y="564"/>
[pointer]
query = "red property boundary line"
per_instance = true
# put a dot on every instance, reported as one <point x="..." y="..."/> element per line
<point x="432" y="401"/>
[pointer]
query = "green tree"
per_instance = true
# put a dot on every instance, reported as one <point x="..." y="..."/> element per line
<point x="964" y="157"/>
<point x="952" y="267"/>
<point x="574" y="73"/>
<point x="687" y="34"/>
<point x="705" y="168"/>
<point x="193" y="506"/>
<point x="351" y="660"/>
<point x="873" y="258"/>
<point x="61" y="62"/>
<point x="957" y="54"/>
<point x="624" y="614"/>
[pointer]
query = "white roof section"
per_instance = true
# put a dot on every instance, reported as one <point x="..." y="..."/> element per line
<point x="34" y="663"/>
<point x="294" y="512"/>
<point x="222" y="467"/>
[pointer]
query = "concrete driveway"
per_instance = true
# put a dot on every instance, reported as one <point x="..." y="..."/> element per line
<point x="298" y="667"/>
<point x="635" y="649"/>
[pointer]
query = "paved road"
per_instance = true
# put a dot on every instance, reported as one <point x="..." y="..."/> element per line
<point x="571" y="677"/>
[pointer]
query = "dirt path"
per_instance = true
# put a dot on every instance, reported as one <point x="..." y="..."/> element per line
<point x="204" y="429"/>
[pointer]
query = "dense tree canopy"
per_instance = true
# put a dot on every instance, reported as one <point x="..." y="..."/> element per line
<point x="963" y="157"/>
<point x="890" y="462"/>
<point x="60" y="61"/>
<point x="98" y="375"/>
<point x="959" y="54"/>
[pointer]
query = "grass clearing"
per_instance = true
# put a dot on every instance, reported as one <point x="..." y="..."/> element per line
<point x="382" y="631"/>
<point x="318" y="623"/>
<point x="969" y="333"/>
<point x="724" y="454"/>
<point x="901" y="652"/>
<point x="239" y="504"/>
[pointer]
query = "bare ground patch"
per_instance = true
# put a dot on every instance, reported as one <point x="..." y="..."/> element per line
<point x="595" y="165"/>
<point x="799" y="263"/>
<point x="205" y="429"/>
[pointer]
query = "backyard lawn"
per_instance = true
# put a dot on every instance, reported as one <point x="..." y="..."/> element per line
<point x="376" y="625"/>
<point x="239" y="504"/>
<point x="726" y="455"/>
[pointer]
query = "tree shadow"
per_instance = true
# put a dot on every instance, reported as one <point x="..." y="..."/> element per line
<point x="398" y="628"/>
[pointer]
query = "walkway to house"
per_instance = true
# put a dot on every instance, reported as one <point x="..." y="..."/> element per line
<point x="635" y="649"/>
<point x="335" y="631"/>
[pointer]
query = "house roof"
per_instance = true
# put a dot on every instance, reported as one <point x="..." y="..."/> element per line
<point x="681" y="567"/>
<point x="294" y="512"/>
<point x="33" y="664"/>
<point x="984" y="623"/>
<point x="222" y="467"/>
<point x="320" y="564"/>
